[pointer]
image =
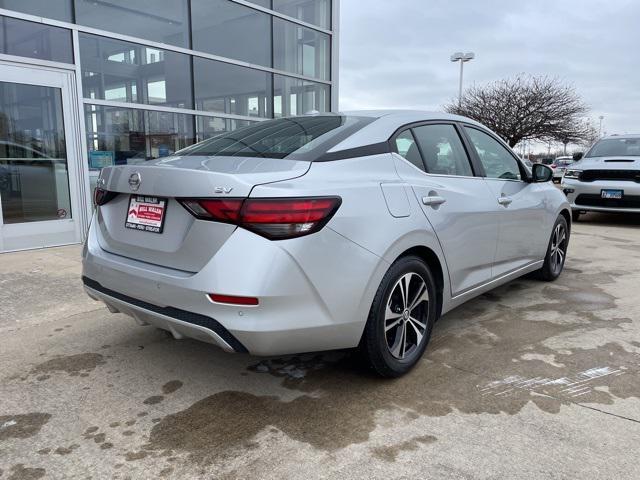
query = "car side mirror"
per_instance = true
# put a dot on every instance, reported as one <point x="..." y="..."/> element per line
<point x="577" y="156"/>
<point x="541" y="173"/>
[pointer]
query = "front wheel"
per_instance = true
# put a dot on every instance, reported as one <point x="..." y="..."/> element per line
<point x="556" y="251"/>
<point x="401" y="318"/>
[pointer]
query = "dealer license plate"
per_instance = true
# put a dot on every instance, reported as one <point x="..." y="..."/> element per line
<point x="146" y="213"/>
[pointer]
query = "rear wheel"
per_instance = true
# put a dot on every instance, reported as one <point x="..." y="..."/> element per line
<point x="556" y="251"/>
<point x="401" y="318"/>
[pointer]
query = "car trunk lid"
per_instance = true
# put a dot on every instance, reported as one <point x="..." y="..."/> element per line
<point x="185" y="243"/>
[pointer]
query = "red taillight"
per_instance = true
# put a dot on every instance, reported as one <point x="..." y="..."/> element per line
<point x="102" y="196"/>
<point x="225" y="210"/>
<point x="274" y="218"/>
<point x="233" y="300"/>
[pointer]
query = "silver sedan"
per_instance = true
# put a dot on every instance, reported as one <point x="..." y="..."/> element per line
<point x="319" y="232"/>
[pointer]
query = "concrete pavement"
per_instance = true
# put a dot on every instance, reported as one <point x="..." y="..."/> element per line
<point x="532" y="380"/>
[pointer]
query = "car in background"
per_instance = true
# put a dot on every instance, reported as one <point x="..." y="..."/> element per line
<point x="561" y="164"/>
<point x="607" y="178"/>
<point x="323" y="232"/>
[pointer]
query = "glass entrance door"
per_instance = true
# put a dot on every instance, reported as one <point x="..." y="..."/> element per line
<point x="38" y="159"/>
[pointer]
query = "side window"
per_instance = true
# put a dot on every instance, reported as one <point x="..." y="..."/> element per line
<point x="407" y="147"/>
<point x="442" y="150"/>
<point x="495" y="158"/>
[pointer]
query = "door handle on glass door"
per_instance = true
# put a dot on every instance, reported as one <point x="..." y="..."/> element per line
<point x="433" y="200"/>
<point x="506" y="201"/>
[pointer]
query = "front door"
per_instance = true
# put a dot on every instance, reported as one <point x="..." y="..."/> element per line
<point x="39" y="159"/>
<point x="523" y="236"/>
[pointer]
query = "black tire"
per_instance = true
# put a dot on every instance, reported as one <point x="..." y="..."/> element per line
<point x="388" y="352"/>
<point x="556" y="251"/>
<point x="575" y="215"/>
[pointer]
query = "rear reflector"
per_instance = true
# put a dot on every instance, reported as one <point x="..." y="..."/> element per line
<point x="233" y="300"/>
<point x="273" y="218"/>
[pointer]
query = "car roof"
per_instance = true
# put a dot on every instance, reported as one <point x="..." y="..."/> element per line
<point x="388" y="121"/>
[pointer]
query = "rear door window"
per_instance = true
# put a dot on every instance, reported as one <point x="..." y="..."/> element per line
<point x="408" y="148"/>
<point x="442" y="150"/>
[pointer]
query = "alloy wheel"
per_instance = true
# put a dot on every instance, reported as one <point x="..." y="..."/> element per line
<point x="405" y="321"/>
<point x="558" y="248"/>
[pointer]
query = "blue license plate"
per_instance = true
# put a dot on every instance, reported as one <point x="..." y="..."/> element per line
<point x="615" y="194"/>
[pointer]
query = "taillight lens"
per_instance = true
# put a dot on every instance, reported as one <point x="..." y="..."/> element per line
<point x="226" y="210"/>
<point x="102" y="196"/>
<point x="273" y="218"/>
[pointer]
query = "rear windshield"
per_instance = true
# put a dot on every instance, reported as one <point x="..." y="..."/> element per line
<point x="296" y="138"/>
<point x="614" y="147"/>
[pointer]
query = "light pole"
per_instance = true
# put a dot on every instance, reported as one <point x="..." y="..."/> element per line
<point x="601" y="117"/>
<point x="462" y="58"/>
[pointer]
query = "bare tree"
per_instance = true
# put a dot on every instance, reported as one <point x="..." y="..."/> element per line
<point x="524" y="108"/>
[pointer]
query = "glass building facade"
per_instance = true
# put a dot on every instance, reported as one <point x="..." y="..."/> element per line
<point x="153" y="76"/>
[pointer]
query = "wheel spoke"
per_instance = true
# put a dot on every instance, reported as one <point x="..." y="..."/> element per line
<point x="405" y="282"/>
<point x="418" y="333"/>
<point x="392" y="324"/>
<point x="417" y="322"/>
<point x="390" y="314"/>
<point x="404" y="340"/>
<point x="561" y="237"/>
<point x="398" y="341"/>
<point x="420" y="297"/>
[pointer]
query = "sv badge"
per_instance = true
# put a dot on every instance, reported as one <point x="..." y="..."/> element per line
<point x="222" y="190"/>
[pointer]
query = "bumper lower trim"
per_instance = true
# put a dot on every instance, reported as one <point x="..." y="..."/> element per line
<point x="171" y="312"/>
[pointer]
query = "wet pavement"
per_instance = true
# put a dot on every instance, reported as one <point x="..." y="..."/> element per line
<point x="531" y="380"/>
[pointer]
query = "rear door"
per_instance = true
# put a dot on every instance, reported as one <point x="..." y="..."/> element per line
<point x="521" y="205"/>
<point x="434" y="161"/>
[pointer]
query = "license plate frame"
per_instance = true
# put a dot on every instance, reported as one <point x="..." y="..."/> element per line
<point x="146" y="219"/>
<point x="611" y="193"/>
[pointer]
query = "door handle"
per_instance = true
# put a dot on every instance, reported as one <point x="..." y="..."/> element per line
<point x="506" y="201"/>
<point x="433" y="200"/>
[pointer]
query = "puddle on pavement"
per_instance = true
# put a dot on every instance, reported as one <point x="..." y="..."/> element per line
<point x="339" y="402"/>
<point x="389" y="453"/>
<point x="22" y="426"/>
<point x="20" y="472"/>
<point x="75" y="365"/>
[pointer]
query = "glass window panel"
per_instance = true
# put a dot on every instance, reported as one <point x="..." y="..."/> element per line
<point x="35" y="40"/>
<point x="231" y="30"/>
<point x="163" y="21"/>
<point x="207" y="127"/>
<point x="128" y="72"/>
<point x="408" y="148"/>
<point x="301" y="138"/>
<point x="124" y="136"/>
<point x="222" y="87"/>
<point x="34" y="182"/>
<point x="497" y="161"/>
<point x="167" y="133"/>
<point x="442" y="150"/>
<point x="56" y="9"/>
<point x="300" y="50"/>
<point x="317" y="12"/>
<point x="293" y="96"/>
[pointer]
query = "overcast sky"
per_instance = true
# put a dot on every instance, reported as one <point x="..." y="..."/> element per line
<point x="395" y="53"/>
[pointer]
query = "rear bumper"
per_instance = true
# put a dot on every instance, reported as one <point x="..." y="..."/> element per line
<point x="315" y="292"/>
<point x="585" y="196"/>
<point x="179" y="322"/>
